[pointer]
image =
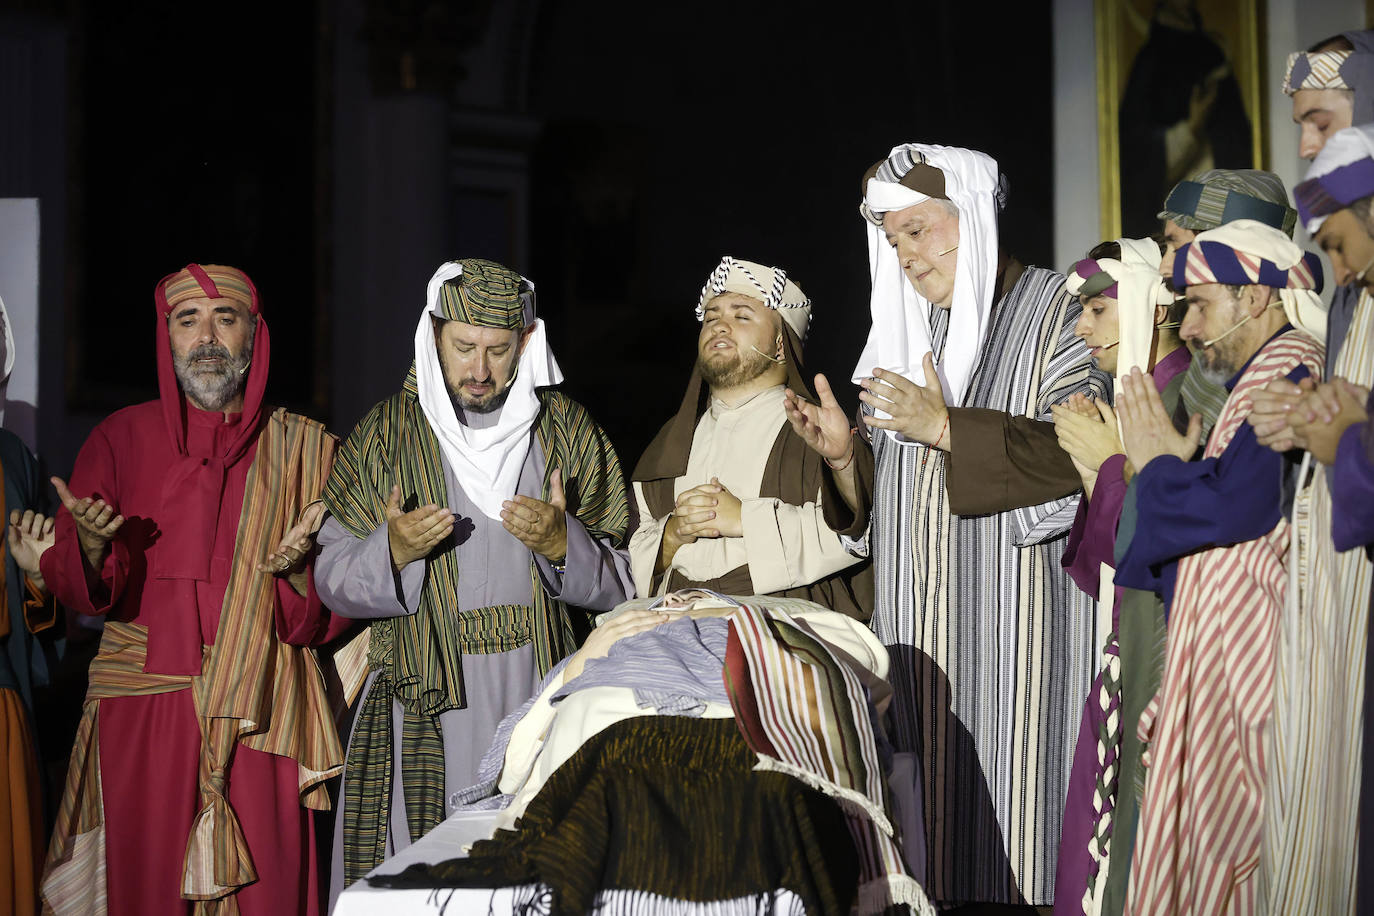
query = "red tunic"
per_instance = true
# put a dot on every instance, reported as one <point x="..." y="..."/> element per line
<point x="150" y="745"/>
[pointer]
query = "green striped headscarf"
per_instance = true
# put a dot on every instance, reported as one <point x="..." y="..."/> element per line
<point x="487" y="295"/>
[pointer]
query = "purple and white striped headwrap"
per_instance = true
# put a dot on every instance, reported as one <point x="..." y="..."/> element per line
<point x="1342" y="173"/>
<point x="1246" y="260"/>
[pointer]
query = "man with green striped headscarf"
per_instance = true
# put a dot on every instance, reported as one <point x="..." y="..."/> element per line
<point x="466" y="512"/>
<point x="1210" y="199"/>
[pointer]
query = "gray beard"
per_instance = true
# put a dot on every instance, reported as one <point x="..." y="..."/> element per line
<point x="732" y="373"/>
<point x="212" y="389"/>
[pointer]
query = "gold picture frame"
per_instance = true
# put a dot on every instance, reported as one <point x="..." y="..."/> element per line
<point x="1121" y="28"/>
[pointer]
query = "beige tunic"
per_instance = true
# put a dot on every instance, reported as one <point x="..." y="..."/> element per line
<point x="785" y="546"/>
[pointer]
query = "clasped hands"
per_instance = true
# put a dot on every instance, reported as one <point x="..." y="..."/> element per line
<point x="706" y="511"/>
<point x="1306" y="415"/>
<point x="1087" y="432"/>
<point x="541" y="526"/>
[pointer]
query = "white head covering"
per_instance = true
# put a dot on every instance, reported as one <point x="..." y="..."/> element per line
<point x="486" y="461"/>
<point x="1139" y="289"/>
<point x="758" y="281"/>
<point x="901" y="333"/>
<point x="1299" y="295"/>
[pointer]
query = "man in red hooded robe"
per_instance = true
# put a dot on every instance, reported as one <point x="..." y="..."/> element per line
<point x="206" y="736"/>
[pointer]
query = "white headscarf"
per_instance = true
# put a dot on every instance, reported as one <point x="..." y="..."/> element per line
<point x="901" y="333"/>
<point x="487" y="462"/>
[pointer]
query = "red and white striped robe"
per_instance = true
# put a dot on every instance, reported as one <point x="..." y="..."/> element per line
<point x="1201" y="821"/>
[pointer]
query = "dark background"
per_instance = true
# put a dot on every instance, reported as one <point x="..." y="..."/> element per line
<point x="339" y="150"/>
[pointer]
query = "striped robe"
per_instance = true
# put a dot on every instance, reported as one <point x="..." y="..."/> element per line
<point x="1201" y="820"/>
<point x="1314" y="783"/>
<point x="992" y="644"/>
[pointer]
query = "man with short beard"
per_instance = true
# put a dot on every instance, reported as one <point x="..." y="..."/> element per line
<point x="729" y="497"/>
<point x="206" y="735"/>
<point x="466" y="512"/>
<point x="1214" y="530"/>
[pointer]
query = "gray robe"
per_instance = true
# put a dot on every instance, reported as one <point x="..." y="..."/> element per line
<point x="354" y="578"/>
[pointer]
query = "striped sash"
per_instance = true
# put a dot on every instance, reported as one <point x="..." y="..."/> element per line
<point x="1201" y="820"/>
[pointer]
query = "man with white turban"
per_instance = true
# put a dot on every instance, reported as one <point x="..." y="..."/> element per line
<point x="1315" y="781"/>
<point x="466" y="512"/>
<point x="1210" y="534"/>
<point x="729" y="497"/>
<point x="992" y="645"/>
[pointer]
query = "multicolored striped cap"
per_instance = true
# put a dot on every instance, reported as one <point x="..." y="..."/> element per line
<point x="1350" y="70"/>
<point x="1342" y="173"/>
<point x="1220" y="196"/>
<point x="487" y="295"/>
<point x="205" y="281"/>
<point x="1250" y="255"/>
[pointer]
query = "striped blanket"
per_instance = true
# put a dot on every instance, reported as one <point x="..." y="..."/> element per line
<point x="805" y="712"/>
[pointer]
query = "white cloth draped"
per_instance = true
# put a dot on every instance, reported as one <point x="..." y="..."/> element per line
<point x="900" y="335"/>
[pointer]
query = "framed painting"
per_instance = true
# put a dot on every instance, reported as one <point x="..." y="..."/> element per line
<point x="1179" y="91"/>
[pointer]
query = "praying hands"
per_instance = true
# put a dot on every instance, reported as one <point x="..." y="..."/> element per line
<point x="1323" y="414"/>
<point x="1087" y="431"/>
<point x="540" y="526"/>
<point x="97" y="522"/>
<point x="1146" y="428"/>
<point x="917" y="412"/>
<point x="412" y="535"/>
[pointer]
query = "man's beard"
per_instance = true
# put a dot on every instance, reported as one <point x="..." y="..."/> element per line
<point x="211" y="388"/>
<point x="488" y="404"/>
<point x="733" y="371"/>
<point x="1217" y="363"/>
